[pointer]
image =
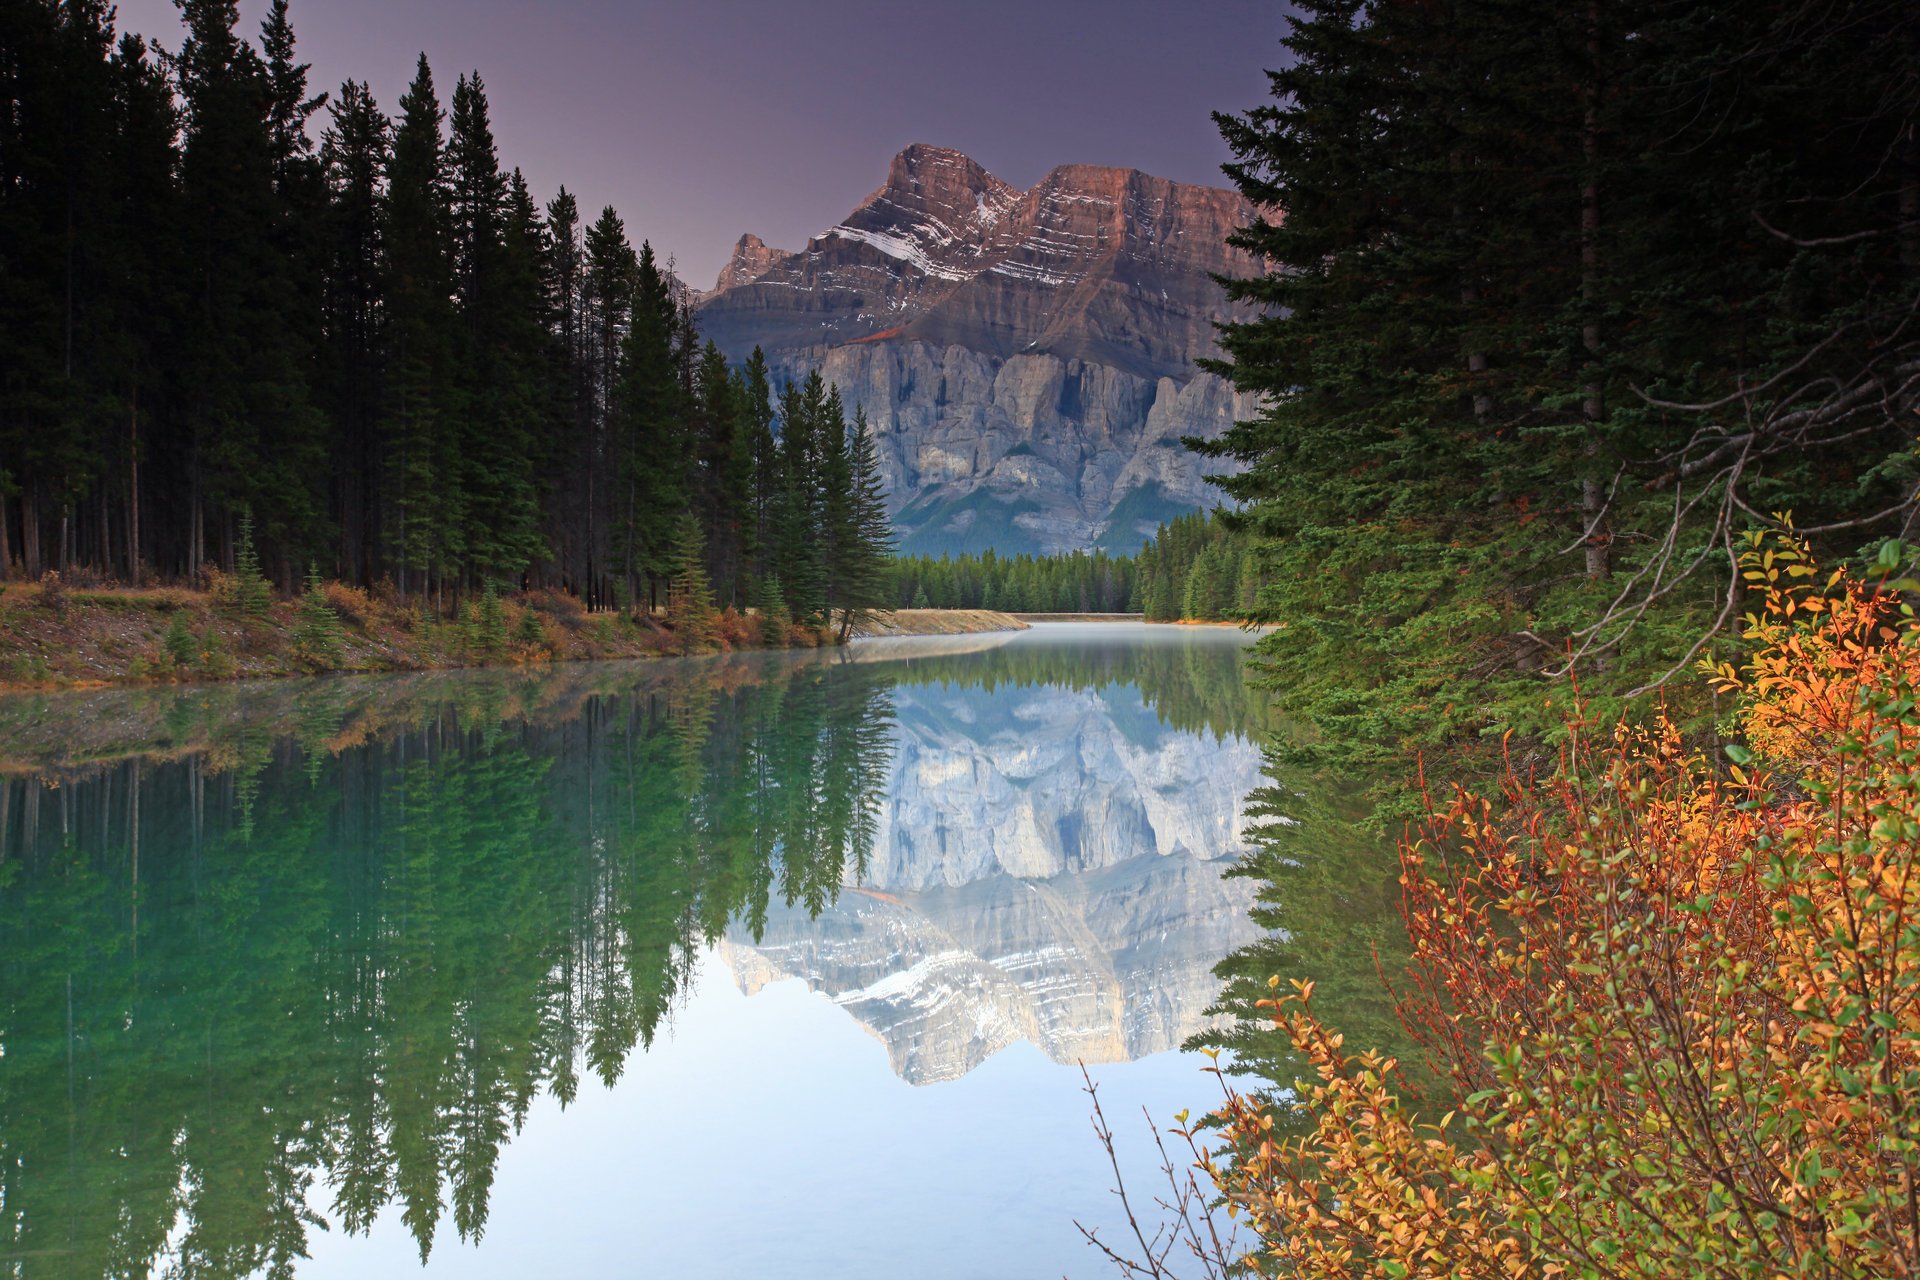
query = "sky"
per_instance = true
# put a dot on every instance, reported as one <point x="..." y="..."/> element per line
<point x="701" y="121"/>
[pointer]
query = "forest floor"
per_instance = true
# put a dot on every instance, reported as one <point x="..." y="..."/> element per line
<point x="54" y="637"/>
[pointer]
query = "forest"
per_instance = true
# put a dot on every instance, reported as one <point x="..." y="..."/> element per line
<point x="382" y="348"/>
<point x="1557" y="303"/>
<point x="1584" y="493"/>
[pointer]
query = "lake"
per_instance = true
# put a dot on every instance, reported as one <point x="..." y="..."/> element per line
<point x="754" y="965"/>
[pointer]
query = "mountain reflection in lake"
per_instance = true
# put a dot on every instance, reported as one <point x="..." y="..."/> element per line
<point x="285" y="965"/>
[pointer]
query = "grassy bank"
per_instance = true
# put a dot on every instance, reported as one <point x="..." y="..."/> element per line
<point x="53" y="636"/>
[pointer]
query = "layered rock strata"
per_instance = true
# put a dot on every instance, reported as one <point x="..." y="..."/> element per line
<point x="1027" y="359"/>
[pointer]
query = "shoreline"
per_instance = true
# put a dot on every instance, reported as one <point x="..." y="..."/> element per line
<point x="94" y="638"/>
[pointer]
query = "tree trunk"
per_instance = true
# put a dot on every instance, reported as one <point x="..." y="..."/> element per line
<point x="30" y="532"/>
<point x="105" y="550"/>
<point x="196" y="526"/>
<point x="6" y="541"/>
<point x="1593" y="491"/>
<point x="133" y="489"/>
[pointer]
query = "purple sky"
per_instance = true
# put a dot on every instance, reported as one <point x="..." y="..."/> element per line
<point x="700" y="121"/>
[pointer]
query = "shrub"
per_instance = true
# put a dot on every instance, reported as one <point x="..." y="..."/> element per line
<point x="1678" y="1004"/>
<point x="351" y="604"/>
<point x="53" y="593"/>
<point x="216" y="659"/>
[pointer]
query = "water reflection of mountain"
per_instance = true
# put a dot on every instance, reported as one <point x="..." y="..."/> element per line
<point x="1047" y="867"/>
<point x="321" y="943"/>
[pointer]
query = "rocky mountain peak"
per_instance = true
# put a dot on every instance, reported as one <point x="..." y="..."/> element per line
<point x="1029" y="359"/>
<point x="752" y="257"/>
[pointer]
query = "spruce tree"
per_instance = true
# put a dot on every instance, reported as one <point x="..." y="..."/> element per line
<point x="773" y="611"/>
<point x="316" y="631"/>
<point x="690" y="596"/>
<point x="354" y="154"/>
<point x="867" y="559"/>
<point x="250" y="590"/>
<point x="422" y="499"/>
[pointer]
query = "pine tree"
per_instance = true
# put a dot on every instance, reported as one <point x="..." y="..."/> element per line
<point x="181" y="645"/>
<point x="690" y="596"/>
<point x="316" y="631"/>
<point x="867" y="557"/>
<point x="250" y="590"/>
<point x="773" y="611"/>
<point x="1500" y="236"/>
<point x="422" y="499"/>
<point x="354" y="154"/>
<point x="651" y="420"/>
<point x="757" y="418"/>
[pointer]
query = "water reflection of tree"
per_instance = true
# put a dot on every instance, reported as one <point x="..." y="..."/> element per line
<point x="1328" y="902"/>
<point x="358" y="954"/>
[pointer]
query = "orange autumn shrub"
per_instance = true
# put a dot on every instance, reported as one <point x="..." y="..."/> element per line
<point x="1676" y="1002"/>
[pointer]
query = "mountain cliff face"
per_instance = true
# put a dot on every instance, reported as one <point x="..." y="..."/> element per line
<point x="1049" y="865"/>
<point x="1026" y="358"/>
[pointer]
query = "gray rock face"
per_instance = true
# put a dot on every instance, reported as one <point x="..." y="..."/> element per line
<point x="1026" y="359"/>
<point x="1048" y="867"/>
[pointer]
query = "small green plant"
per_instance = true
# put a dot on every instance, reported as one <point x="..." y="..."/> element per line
<point x="179" y="644"/>
<point x="316" y="631"/>
<point x="250" y="588"/>
<point x="529" y="633"/>
<point x="773" y="612"/>
<point x="216" y="660"/>
<point x="486" y="627"/>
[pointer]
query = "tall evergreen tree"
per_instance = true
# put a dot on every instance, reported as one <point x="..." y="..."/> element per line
<point x="1525" y="275"/>
<point x="867" y="548"/>
<point x="354" y="154"/>
<point x="421" y="503"/>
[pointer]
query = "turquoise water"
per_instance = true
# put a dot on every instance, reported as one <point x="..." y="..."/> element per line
<point x="758" y="965"/>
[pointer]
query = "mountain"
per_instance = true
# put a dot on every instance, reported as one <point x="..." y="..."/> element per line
<point x="1027" y="358"/>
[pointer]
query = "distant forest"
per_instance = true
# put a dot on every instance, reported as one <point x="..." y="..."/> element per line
<point x="383" y="347"/>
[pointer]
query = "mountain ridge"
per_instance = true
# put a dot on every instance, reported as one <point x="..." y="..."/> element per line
<point x="1028" y="358"/>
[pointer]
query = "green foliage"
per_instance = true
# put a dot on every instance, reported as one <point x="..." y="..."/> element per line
<point x="316" y="627"/>
<point x="216" y="658"/>
<point x="529" y="632"/>
<point x="1524" y="271"/>
<point x="860" y="535"/>
<point x="774" y="618"/>
<point x="1199" y="568"/>
<point x="251" y="594"/>
<point x="179" y="642"/>
<point x="690" y="597"/>
<point x="381" y="356"/>
<point x="486" y="627"/>
<point x="1077" y="582"/>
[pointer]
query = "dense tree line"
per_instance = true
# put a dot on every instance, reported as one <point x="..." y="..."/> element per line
<point x="1198" y="568"/>
<point x="1558" y="301"/>
<point x="1077" y="582"/>
<point x="376" y="340"/>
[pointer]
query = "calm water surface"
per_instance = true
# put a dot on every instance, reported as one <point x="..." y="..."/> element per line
<point x="769" y="965"/>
